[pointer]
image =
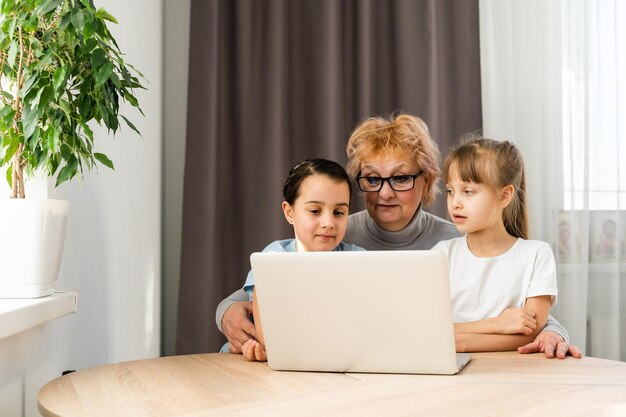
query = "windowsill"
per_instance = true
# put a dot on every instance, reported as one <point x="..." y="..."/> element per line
<point x="17" y="315"/>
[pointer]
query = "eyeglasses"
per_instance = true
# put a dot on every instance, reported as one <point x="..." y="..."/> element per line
<point x="372" y="184"/>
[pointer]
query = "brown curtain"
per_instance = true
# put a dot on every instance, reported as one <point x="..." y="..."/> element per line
<point x="273" y="82"/>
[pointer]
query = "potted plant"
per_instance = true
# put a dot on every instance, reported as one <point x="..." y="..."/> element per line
<point x="61" y="69"/>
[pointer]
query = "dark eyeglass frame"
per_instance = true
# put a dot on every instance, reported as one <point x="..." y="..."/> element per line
<point x="388" y="180"/>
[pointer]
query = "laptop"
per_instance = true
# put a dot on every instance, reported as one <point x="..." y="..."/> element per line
<point x="374" y="311"/>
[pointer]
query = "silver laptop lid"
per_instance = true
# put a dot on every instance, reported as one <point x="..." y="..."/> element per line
<point x="375" y="311"/>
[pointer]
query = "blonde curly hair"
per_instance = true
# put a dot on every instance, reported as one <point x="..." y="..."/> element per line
<point x="403" y="135"/>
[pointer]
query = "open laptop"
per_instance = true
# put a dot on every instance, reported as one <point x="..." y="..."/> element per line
<point x="374" y="311"/>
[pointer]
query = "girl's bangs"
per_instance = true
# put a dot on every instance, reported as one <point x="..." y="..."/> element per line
<point x="471" y="165"/>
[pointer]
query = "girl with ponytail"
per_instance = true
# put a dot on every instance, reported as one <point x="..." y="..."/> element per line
<point x="502" y="284"/>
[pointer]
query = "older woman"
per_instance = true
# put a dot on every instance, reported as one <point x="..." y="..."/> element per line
<point x="396" y="166"/>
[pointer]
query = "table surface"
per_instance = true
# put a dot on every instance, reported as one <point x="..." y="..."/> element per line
<point x="500" y="383"/>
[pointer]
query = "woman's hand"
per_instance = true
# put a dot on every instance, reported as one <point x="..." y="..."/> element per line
<point x="515" y="320"/>
<point x="237" y="326"/>
<point x="252" y="350"/>
<point x="552" y="344"/>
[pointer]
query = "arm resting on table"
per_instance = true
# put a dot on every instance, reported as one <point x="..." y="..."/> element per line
<point x="479" y="342"/>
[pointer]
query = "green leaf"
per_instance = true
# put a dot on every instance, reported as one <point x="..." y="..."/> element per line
<point x="84" y="106"/>
<point x="126" y="74"/>
<point x="34" y="101"/>
<point x="6" y="140"/>
<point x="66" y="20"/>
<point x="10" y="175"/>
<point x="65" y="106"/>
<point x="47" y="6"/>
<point x="28" y="83"/>
<point x="116" y="80"/>
<point x="90" y="44"/>
<point x="12" y="53"/>
<point x="12" y="142"/>
<point x="5" y="40"/>
<point x="104" y="73"/>
<point x="5" y="111"/>
<point x="98" y="56"/>
<point x="33" y="160"/>
<point x="86" y="146"/>
<point x="45" y="60"/>
<point x="103" y="14"/>
<point x="85" y="86"/>
<point x="130" y="98"/>
<point x="104" y="160"/>
<point x="58" y="78"/>
<point x="46" y="96"/>
<point x="11" y="29"/>
<point x="31" y="144"/>
<point x="91" y="28"/>
<point x="35" y="45"/>
<point x="80" y="146"/>
<point x="88" y="132"/>
<point x="40" y="156"/>
<point x="78" y="19"/>
<point x="47" y="35"/>
<point x="114" y="122"/>
<point x="65" y="151"/>
<point x="53" y="139"/>
<point x="30" y="117"/>
<point x="29" y="24"/>
<point x="132" y="126"/>
<point x="67" y="172"/>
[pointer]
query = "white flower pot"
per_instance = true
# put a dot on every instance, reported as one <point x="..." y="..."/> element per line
<point x="32" y="235"/>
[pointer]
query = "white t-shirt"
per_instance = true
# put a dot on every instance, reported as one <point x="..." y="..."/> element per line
<point x="484" y="287"/>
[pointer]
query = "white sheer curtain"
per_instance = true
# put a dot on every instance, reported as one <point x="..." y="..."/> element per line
<point x="554" y="82"/>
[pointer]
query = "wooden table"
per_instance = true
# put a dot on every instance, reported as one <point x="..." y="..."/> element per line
<point x="503" y="383"/>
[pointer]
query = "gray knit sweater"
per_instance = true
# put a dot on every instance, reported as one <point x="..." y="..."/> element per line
<point x="422" y="233"/>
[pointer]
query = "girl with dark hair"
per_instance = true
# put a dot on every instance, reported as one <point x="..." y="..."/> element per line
<point x="316" y="202"/>
<point x="502" y="285"/>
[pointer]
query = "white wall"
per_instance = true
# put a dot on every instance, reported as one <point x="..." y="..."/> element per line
<point x="112" y="253"/>
<point x="113" y="244"/>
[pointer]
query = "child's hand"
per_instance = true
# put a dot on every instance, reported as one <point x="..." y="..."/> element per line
<point x="515" y="320"/>
<point x="253" y="351"/>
